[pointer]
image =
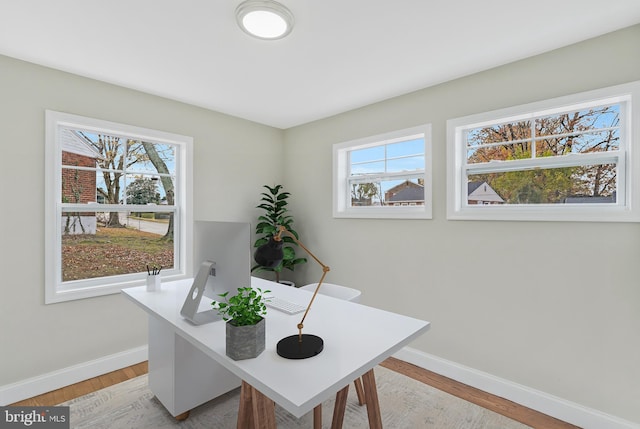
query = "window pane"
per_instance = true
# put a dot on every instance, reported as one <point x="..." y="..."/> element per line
<point x="375" y="153"/>
<point x="77" y="149"/>
<point x="570" y="185"/>
<point x="485" y="144"/>
<point x="601" y="141"/>
<point x="110" y="149"/>
<point x="499" y="133"/>
<point x="403" y="192"/>
<point x="148" y="189"/>
<point x="78" y="186"/>
<point x="98" y="244"/>
<point x="390" y="158"/>
<point x="110" y="187"/>
<point x="503" y="152"/>
<point x="368" y="168"/>
<point x="577" y="121"/>
<point x="94" y="166"/>
<point x="405" y="164"/>
<point x="147" y="157"/>
<point x="397" y="192"/>
<point x="365" y="194"/>
<point x="406" y="148"/>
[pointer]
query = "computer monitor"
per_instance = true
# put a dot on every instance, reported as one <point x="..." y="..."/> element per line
<point x="222" y="263"/>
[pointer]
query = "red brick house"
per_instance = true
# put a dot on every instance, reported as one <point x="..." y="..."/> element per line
<point x="407" y="193"/>
<point x="78" y="186"/>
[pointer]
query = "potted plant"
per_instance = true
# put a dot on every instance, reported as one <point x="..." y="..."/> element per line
<point x="245" y="327"/>
<point x="274" y="203"/>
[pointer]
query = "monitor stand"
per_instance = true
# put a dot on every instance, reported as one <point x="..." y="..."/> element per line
<point x="192" y="303"/>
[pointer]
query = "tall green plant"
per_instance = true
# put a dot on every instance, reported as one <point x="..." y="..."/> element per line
<point x="274" y="203"/>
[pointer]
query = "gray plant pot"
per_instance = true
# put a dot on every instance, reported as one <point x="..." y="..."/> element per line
<point x="245" y="342"/>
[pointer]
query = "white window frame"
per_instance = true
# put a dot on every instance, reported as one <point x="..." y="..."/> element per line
<point x="55" y="289"/>
<point x="627" y="207"/>
<point x="342" y="193"/>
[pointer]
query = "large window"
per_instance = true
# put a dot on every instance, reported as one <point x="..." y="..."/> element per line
<point x="384" y="176"/>
<point x="563" y="159"/>
<point x="117" y="201"/>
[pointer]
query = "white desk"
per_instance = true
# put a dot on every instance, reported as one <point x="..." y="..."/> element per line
<point x="188" y="365"/>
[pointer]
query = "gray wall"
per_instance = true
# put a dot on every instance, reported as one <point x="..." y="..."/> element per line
<point x="553" y="306"/>
<point x="232" y="159"/>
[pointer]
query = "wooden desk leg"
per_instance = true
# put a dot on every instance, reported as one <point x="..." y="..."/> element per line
<point x="359" y="391"/>
<point x="182" y="417"/>
<point x="373" y="406"/>
<point x="256" y="410"/>
<point x="317" y="417"/>
<point x="264" y="411"/>
<point x="339" y="408"/>
<point x="245" y="411"/>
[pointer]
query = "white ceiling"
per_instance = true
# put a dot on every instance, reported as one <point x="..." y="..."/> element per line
<point x="342" y="54"/>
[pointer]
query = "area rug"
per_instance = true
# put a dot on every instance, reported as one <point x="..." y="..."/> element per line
<point x="404" y="403"/>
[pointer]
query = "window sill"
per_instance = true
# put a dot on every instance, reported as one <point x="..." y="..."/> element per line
<point x="546" y="214"/>
<point x="81" y="290"/>
<point x="420" y="212"/>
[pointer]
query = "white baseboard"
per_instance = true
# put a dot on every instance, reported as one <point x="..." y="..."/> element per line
<point x="559" y="408"/>
<point x="44" y="383"/>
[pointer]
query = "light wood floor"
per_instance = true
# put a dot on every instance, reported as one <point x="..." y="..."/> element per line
<point x="494" y="403"/>
<point x="82" y="388"/>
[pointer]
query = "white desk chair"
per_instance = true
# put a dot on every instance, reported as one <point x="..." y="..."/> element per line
<point x="347" y="294"/>
<point x="336" y="291"/>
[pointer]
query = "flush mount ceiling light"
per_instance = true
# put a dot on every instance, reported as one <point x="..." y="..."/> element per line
<point x="264" y="19"/>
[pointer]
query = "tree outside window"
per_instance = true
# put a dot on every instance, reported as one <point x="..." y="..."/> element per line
<point x="114" y="204"/>
<point x="567" y="159"/>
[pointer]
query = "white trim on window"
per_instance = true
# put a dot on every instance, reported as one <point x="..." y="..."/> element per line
<point x="55" y="289"/>
<point x="626" y="158"/>
<point x="342" y="207"/>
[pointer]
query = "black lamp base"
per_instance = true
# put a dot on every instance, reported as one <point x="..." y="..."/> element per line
<point x="292" y="348"/>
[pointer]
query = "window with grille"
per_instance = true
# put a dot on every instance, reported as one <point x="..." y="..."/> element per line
<point x="384" y="175"/>
<point x="565" y="159"/>
<point x="116" y="199"/>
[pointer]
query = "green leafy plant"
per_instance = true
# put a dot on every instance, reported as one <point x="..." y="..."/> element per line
<point x="247" y="307"/>
<point x="274" y="203"/>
